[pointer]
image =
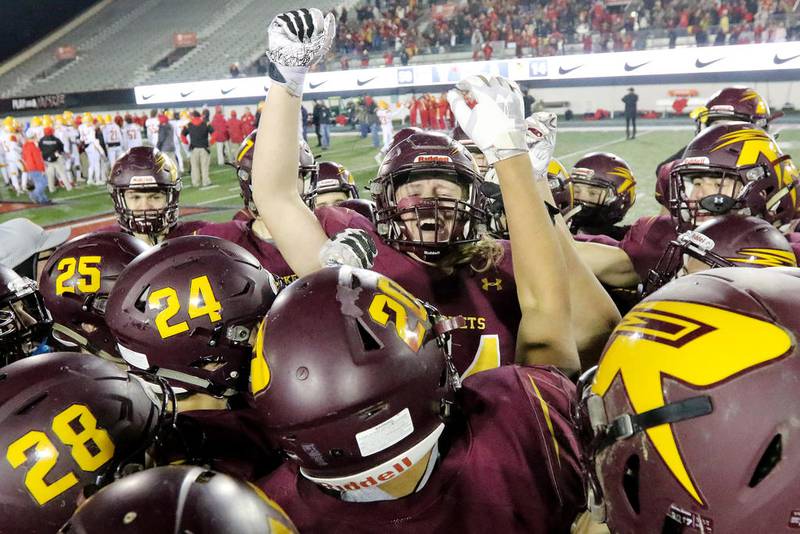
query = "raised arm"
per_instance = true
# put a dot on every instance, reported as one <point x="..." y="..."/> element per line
<point x="497" y="126"/>
<point x="297" y="40"/>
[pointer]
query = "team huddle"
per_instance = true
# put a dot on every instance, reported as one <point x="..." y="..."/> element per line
<point x="480" y="345"/>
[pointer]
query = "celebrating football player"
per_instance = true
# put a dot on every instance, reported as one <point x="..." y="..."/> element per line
<point x="430" y="217"/>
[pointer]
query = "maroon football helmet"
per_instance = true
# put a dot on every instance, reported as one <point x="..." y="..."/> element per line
<point x="369" y="357"/>
<point x="705" y="364"/>
<point x="746" y="160"/>
<point x="331" y="177"/>
<point x="663" y="183"/>
<point x="605" y="189"/>
<point x="68" y="421"/>
<point x="735" y="104"/>
<point x="145" y="169"/>
<point x="307" y="168"/>
<point x="178" y="498"/>
<point x="24" y="319"/>
<point x="360" y="205"/>
<point x="423" y="156"/>
<point x="480" y="158"/>
<point x="186" y="310"/>
<point x="76" y="283"/>
<point x="725" y="241"/>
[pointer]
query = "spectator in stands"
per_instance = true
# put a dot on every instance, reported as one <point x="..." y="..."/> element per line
<point x="198" y="131"/>
<point x="220" y="135"/>
<point x="388" y="58"/>
<point x="52" y="152"/>
<point x="166" y="139"/>
<point x="404" y="57"/>
<point x="34" y="165"/>
<point x="234" y="70"/>
<point x="364" y="58"/>
<point x="248" y="122"/>
<point x="630" y="101"/>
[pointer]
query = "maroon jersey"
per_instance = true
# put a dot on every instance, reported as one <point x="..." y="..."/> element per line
<point x="179" y="230"/>
<point x="646" y="242"/>
<point x="487" y="300"/>
<point x="225" y="440"/>
<point x="512" y="467"/>
<point x="241" y="233"/>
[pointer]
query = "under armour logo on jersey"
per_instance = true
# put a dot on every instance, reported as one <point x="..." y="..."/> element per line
<point x="486" y="284"/>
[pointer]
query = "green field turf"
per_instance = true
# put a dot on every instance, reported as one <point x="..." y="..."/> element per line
<point x="643" y="154"/>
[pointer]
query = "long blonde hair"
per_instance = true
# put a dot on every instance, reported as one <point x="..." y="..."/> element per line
<point x="482" y="255"/>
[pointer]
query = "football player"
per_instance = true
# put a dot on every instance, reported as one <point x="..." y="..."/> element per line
<point x="188" y="311"/>
<point x="145" y="188"/>
<point x="76" y="283"/>
<point x="605" y="189"/>
<point x="180" y="499"/>
<point x="11" y="145"/>
<point x="728" y="168"/>
<point x="725" y="241"/>
<point x="715" y="343"/>
<point x="151" y="127"/>
<point x="430" y="211"/>
<point x="329" y="186"/>
<point x="70" y="423"/>
<point x="131" y="133"/>
<point x="380" y="433"/>
<point x="93" y="150"/>
<point x="25" y="323"/>
<point x="112" y="135"/>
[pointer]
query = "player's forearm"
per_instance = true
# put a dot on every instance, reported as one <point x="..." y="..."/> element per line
<point x="611" y="265"/>
<point x="539" y="267"/>
<point x="296" y="231"/>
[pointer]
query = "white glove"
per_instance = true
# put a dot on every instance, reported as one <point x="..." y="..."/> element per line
<point x="297" y="40"/>
<point x="349" y="247"/>
<point x="497" y="122"/>
<point x="541" y="139"/>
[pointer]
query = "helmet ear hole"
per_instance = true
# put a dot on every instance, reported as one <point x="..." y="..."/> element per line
<point x="768" y="461"/>
<point x="368" y="339"/>
<point x="630" y="482"/>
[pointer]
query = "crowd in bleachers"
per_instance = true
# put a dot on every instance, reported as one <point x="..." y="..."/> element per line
<point x="398" y="30"/>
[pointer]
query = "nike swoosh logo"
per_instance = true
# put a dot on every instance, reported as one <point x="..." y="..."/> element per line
<point x="365" y="82"/>
<point x="780" y="60"/>
<point x="562" y="70"/>
<point x="226" y="91"/>
<point x="629" y="67"/>
<point x="148" y="97"/>
<point x="315" y="85"/>
<point x="703" y="64"/>
<point x="187" y="93"/>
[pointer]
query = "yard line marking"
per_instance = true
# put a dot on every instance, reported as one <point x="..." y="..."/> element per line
<point x="203" y="203"/>
<point x="82" y="195"/>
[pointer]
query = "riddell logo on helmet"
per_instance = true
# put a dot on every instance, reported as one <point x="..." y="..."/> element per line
<point x="431" y="158"/>
<point x="142" y="180"/>
<point x="369" y="481"/>
<point x="700" y="160"/>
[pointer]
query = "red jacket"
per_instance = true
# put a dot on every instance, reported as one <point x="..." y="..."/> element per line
<point x="234" y="126"/>
<point x="220" y="128"/>
<point x="248" y="124"/>
<point x="32" y="156"/>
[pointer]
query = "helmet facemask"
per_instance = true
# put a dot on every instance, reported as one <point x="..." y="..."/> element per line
<point x="24" y="321"/>
<point x="597" y="207"/>
<point x="151" y="222"/>
<point x="427" y="226"/>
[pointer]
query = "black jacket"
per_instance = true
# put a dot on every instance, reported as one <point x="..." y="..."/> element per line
<point x="51" y="146"/>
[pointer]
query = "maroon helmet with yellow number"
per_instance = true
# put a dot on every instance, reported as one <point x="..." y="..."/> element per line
<point x="331" y="177"/>
<point x="604" y="188"/>
<point x="307" y="168"/>
<point x="68" y="421"/>
<point x="690" y="416"/>
<point x="76" y="283"/>
<point x="451" y="221"/>
<point x="177" y="498"/>
<point x="24" y="319"/>
<point x="725" y="241"/>
<point x="145" y="169"/>
<point x="371" y="356"/>
<point x="735" y="104"/>
<point x="187" y="310"/>
<point x="754" y="176"/>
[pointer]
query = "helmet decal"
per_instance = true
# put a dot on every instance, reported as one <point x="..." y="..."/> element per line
<point x="666" y="338"/>
<point x="766" y="257"/>
<point x="395" y="304"/>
